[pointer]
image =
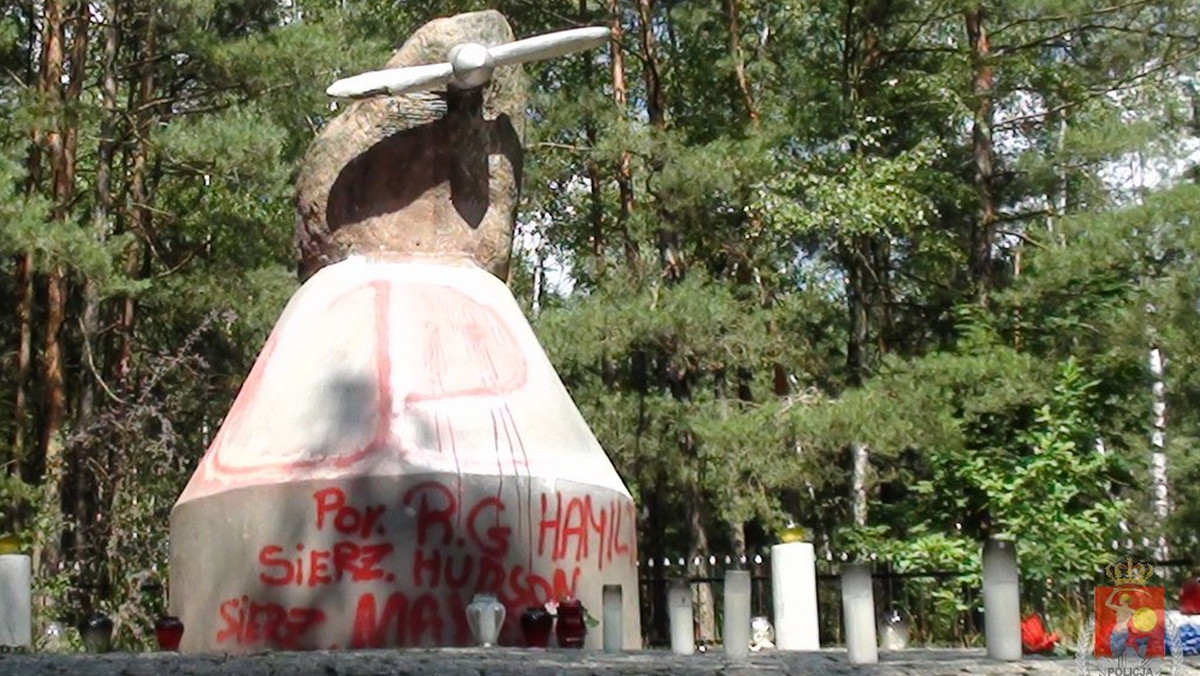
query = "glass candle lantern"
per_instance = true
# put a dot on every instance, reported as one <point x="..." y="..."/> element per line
<point x="485" y="615"/>
<point x="96" y="632"/>
<point x="893" y="630"/>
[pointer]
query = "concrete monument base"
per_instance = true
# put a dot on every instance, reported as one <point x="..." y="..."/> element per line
<point x="401" y="444"/>
<point x="393" y="561"/>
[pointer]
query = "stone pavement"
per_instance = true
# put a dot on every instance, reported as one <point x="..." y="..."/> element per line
<point x="514" y="661"/>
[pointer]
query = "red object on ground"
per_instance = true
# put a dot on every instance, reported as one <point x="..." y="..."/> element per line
<point x="1034" y="638"/>
<point x="1189" y="597"/>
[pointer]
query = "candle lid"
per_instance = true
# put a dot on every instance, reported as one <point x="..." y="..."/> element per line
<point x="792" y="532"/>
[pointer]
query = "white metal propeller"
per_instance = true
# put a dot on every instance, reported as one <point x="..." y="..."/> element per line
<point x="467" y="65"/>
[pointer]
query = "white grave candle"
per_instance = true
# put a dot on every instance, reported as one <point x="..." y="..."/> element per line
<point x="794" y="590"/>
<point x="858" y="613"/>
<point x="614" y="626"/>
<point x="679" y="611"/>
<point x="1001" y="599"/>
<point x="736" y="634"/>
<point x="16" y="576"/>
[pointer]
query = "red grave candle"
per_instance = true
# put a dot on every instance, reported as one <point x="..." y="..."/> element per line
<point x="168" y="631"/>
<point x="1189" y="597"/>
<point x="571" y="626"/>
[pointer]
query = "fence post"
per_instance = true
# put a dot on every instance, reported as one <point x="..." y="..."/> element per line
<point x="794" y="588"/>
<point x="1001" y="599"/>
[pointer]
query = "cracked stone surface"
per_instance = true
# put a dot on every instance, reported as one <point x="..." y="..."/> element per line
<point x="505" y="661"/>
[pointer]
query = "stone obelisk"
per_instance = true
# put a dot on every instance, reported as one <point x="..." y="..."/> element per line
<point x="402" y="442"/>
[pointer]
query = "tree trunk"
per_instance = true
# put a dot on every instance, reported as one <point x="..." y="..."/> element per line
<point x="983" y="154"/>
<point x="80" y="33"/>
<point x="539" y="278"/>
<point x="736" y="530"/>
<point x="101" y="211"/>
<point x="596" y="203"/>
<point x="861" y="54"/>
<point x="655" y="102"/>
<point x="24" y="288"/>
<point x="62" y="142"/>
<point x="1161" y="495"/>
<point x="671" y="259"/>
<point x="74" y="489"/>
<point x="624" y="165"/>
<point x="856" y="300"/>
<point x="139" y="194"/>
<point x="739" y="61"/>
<point x="53" y="396"/>
<point x="24" y="304"/>
<point x="737" y="539"/>
<point x="705" y="602"/>
<point x="860" y="457"/>
<point x="1058" y="199"/>
<point x="91" y="378"/>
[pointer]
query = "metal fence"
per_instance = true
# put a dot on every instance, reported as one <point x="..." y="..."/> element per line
<point x="941" y="608"/>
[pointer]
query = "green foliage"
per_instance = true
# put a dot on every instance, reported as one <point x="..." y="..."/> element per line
<point x="995" y="456"/>
<point x="853" y="194"/>
<point x="939" y="608"/>
<point x="709" y="440"/>
<point x="1052" y="469"/>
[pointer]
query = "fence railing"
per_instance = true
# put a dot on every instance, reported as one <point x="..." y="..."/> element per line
<point x="941" y="607"/>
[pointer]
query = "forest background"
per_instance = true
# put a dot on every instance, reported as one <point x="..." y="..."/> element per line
<point x="912" y="272"/>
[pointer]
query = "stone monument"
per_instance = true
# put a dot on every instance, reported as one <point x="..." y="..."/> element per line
<point x="402" y="442"/>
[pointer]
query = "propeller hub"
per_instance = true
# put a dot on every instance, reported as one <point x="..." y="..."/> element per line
<point x="472" y="63"/>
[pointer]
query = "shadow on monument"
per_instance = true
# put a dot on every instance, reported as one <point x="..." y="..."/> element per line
<point x="351" y="405"/>
<point x="403" y="171"/>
